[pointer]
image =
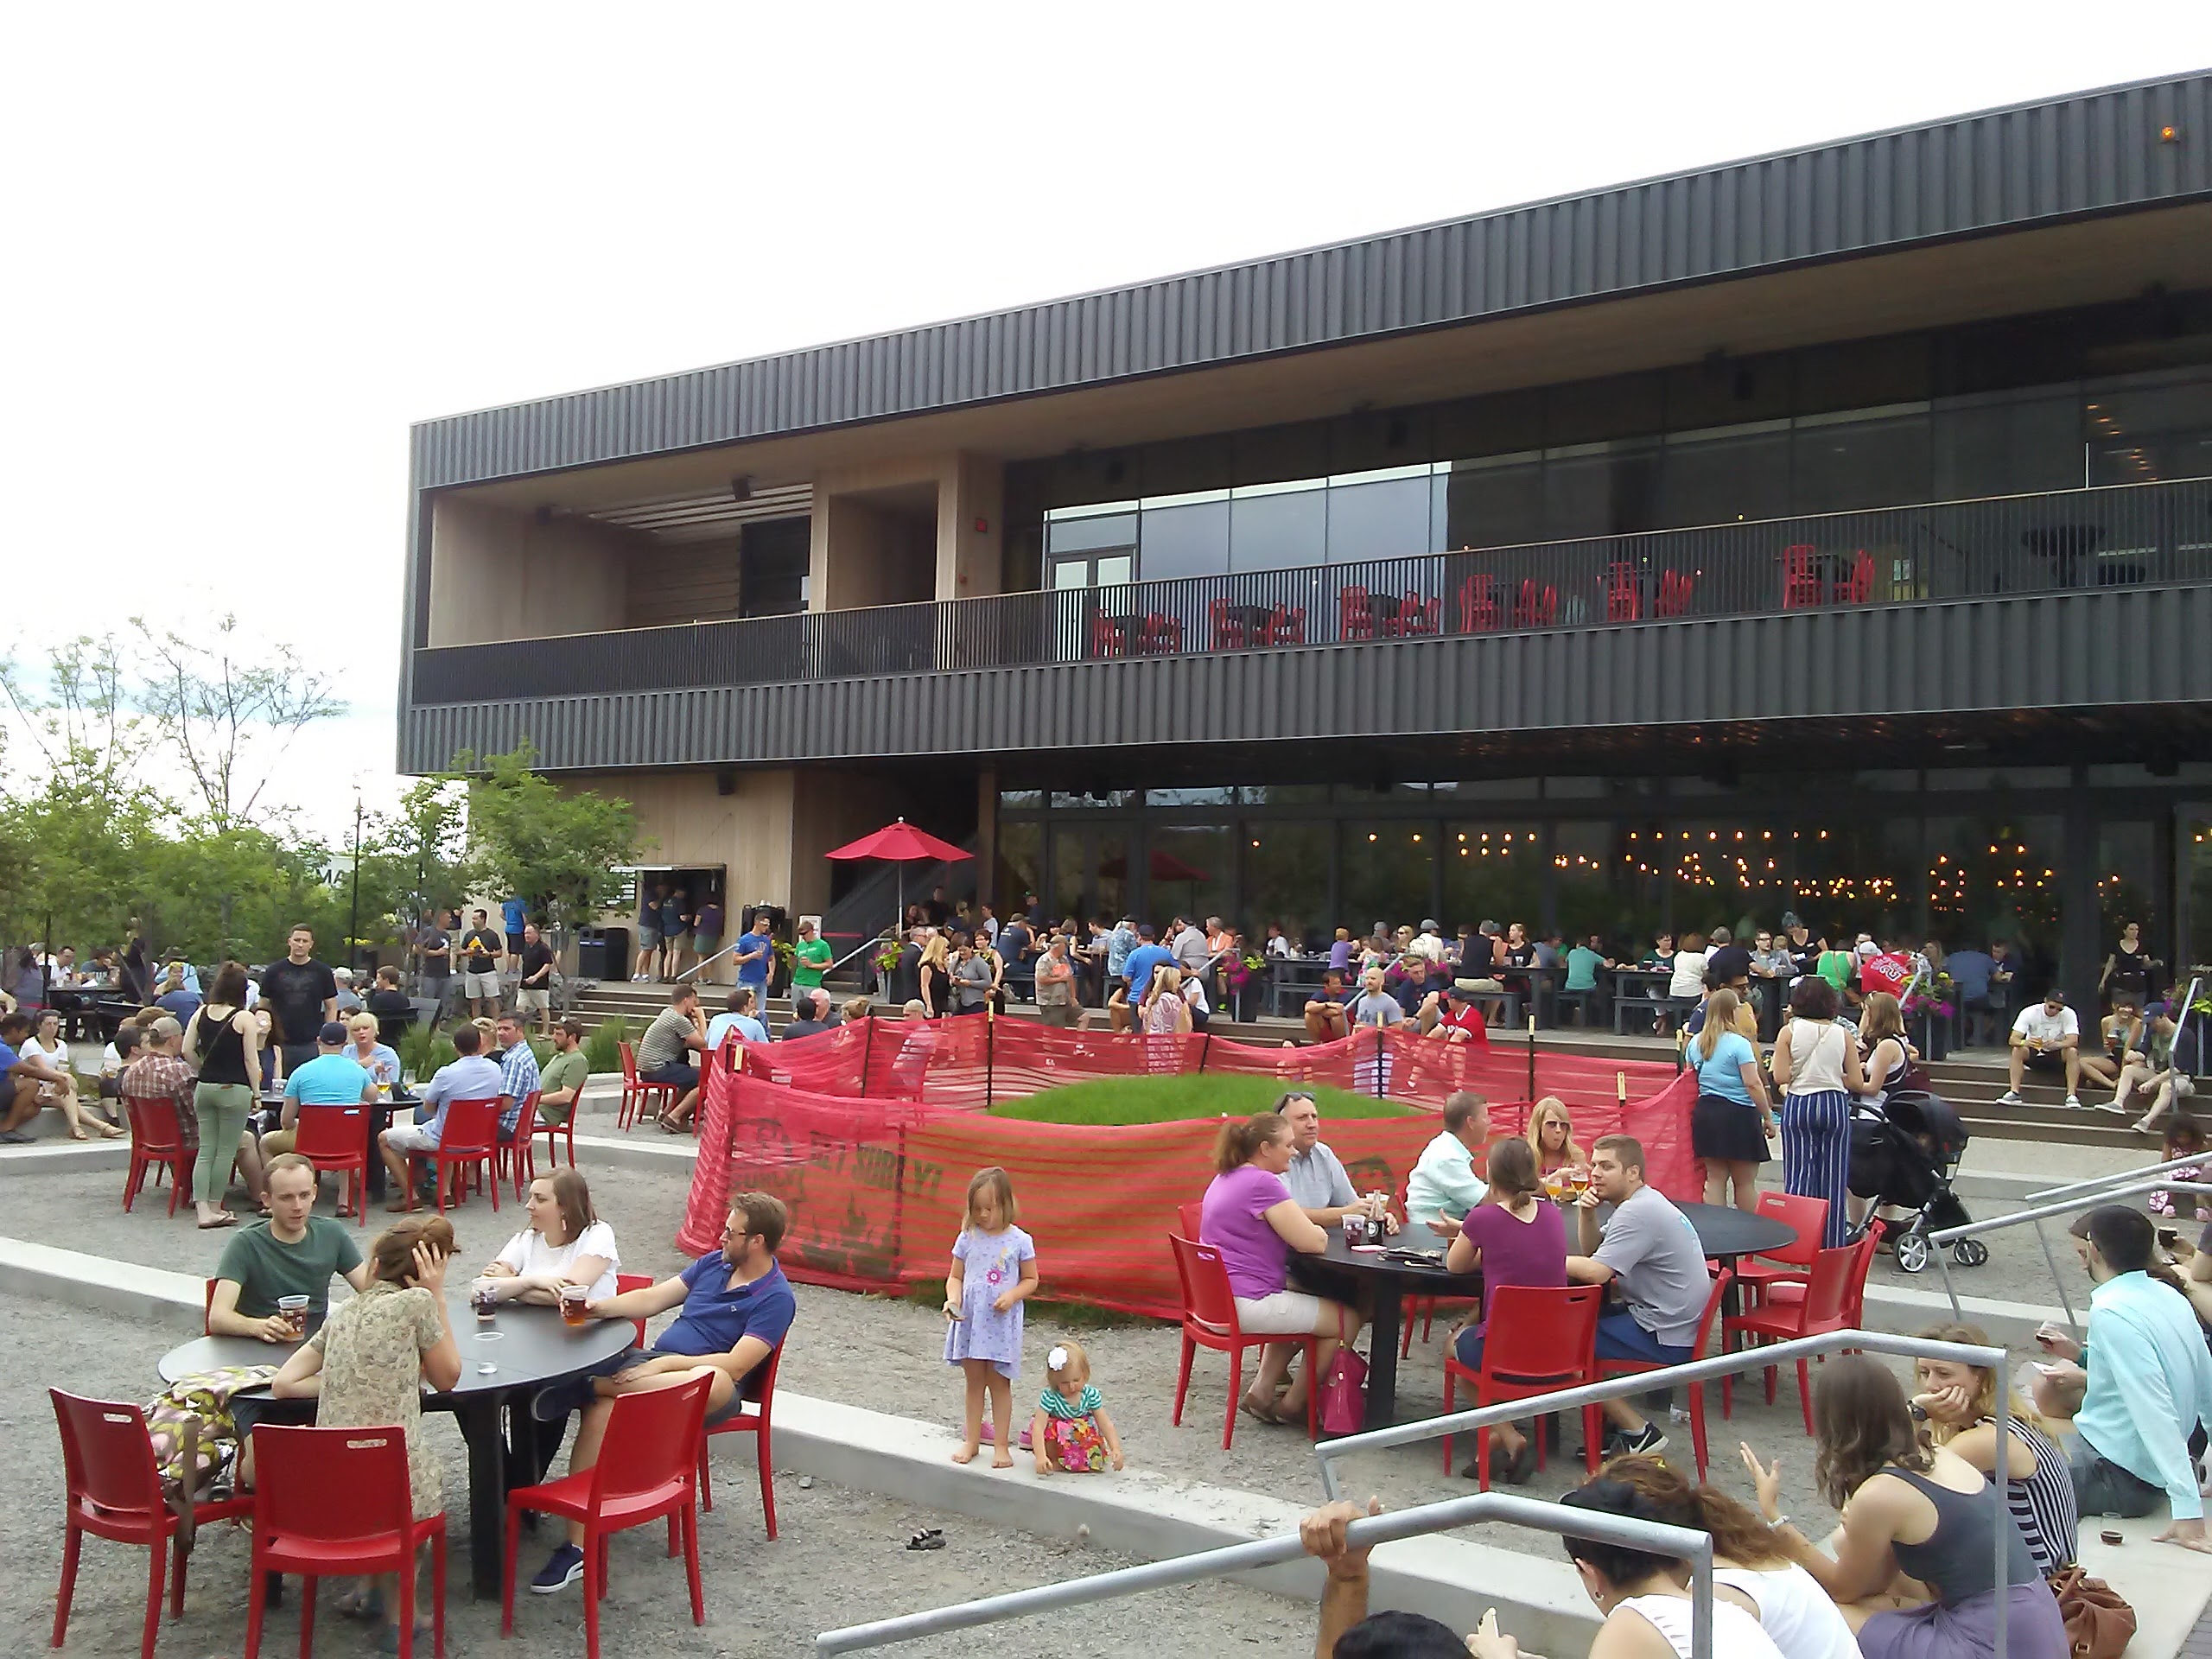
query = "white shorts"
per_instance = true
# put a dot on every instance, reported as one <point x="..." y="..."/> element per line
<point x="1286" y="1313"/>
<point x="532" y="1001"/>
<point x="473" y="986"/>
<point x="405" y="1137"/>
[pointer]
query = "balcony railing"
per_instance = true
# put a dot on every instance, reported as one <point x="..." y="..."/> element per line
<point x="2126" y="535"/>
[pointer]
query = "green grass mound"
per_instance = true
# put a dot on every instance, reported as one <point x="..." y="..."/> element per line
<point x="1166" y="1099"/>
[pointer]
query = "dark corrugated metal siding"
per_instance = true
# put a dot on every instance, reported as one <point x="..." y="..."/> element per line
<point x="2103" y="648"/>
<point x="2086" y="154"/>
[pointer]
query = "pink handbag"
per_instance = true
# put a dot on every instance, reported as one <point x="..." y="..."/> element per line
<point x="1342" y="1403"/>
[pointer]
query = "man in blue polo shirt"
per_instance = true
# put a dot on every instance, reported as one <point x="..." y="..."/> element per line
<point x="737" y="1306"/>
<point x="1136" y="978"/>
<point x="754" y="951"/>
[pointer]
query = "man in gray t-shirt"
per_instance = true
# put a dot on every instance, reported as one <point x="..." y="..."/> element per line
<point x="1648" y="1249"/>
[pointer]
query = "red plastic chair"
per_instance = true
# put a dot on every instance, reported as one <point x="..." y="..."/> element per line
<point x="1800" y="582"/>
<point x="1826" y="1306"/>
<point x="625" y="1282"/>
<point x="1628" y="1367"/>
<point x="1106" y="638"/>
<point x="1355" y="616"/>
<point x="336" y="1140"/>
<point x="1675" y="587"/>
<point x="519" y="1157"/>
<point x="554" y="1134"/>
<point x="1162" y="632"/>
<point x="638" y="1093"/>
<point x="296" y="1527"/>
<point x="1228" y="631"/>
<point x="1287" y="627"/>
<point x="156" y="1143"/>
<point x="1187" y="1217"/>
<point x="207" y="1309"/>
<point x="648" y="1467"/>
<point x="1792" y="1262"/>
<point x="1623" y="596"/>
<point x="469" y="1143"/>
<point x="1535" y="608"/>
<point x="113" y="1492"/>
<point x="1210" y="1322"/>
<point x="1478" y="605"/>
<point x="1537" y="1339"/>
<point x="1869" y="1247"/>
<point x="751" y="1418"/>
<point x="1860" y="587"/>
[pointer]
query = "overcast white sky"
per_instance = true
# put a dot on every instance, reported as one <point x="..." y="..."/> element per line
<point x="249" y="245"/>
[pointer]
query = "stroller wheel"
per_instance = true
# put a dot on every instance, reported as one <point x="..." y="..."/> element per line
<point x="1970" y="1252"/>
<point x="1913" y="1250"/>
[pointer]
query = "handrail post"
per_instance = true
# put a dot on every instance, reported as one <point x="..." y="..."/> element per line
<point x="2050" y="1260"/>
<point x="1999" y="1491"/>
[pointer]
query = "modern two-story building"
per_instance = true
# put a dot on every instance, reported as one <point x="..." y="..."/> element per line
<point x="1830" y="531"/>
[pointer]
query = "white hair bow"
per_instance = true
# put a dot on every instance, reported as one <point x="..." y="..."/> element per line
<point x="1056" y="1359"/>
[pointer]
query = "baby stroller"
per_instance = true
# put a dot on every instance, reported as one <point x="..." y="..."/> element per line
<point x="1904" y="1154"/>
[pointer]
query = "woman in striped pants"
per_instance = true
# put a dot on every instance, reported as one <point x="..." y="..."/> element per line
<point x="1812" y="1058"/>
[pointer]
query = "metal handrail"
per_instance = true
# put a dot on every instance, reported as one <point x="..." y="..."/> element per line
<point x="1698" y="1371"/>
<point x="2037" y="1216"/>
<point x="2124" y="1175"/>
<point x="1681" y="1542"/>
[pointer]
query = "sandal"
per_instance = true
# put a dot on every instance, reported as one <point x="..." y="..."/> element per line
<point x="1254" y="1409"/>
<point x="927" y="1538"/>
<point x="226" y="1219"/>
<point x="360" y="1603"/>
<point x="387" y="1638"/>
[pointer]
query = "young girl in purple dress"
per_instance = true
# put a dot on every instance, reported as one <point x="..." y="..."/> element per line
<point x="993" y="1271"/>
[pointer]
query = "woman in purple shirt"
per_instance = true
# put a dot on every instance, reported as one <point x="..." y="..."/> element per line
<point x="1250" y="1217"/>
<point x="1514" y="1238"/>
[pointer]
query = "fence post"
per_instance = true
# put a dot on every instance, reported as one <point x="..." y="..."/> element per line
<point x="990" y="1056"/>
<point x="1532" y="1050"/>
<point x="1206" y="1047"/>
<point x="868" y="1049"/>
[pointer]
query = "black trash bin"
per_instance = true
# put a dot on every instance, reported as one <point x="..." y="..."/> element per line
<point x="602" y="953"/>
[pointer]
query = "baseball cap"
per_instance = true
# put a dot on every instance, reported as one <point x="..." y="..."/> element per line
<point x="1430" y="924"/>
<point x="333" y="1033"/>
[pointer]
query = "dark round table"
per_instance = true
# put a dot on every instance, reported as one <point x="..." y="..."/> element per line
<point x="1725" y="1233"/>
<point x="1346" y="1271"/>
<point x="502" y="1363"/>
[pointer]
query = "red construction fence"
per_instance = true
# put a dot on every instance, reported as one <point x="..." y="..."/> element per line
<point x="876" y="1185"/>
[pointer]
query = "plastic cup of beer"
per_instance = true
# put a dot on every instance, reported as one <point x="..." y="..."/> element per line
<point x="294" y="1312"/>
<point x="573" y="1309"/>
<point x="484" y="1300"/>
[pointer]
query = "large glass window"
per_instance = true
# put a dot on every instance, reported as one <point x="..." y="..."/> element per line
<point x="1090" y="871"/>
<point x="1995" y="876"/>
<point x="1275" y="529"/>
<point x="1721" y="477"/>
<point x="1856" y="877"/>
<point x="1189" y="871"/>
<point x="2008" y="443"/>
<point x="1184" y="538"/>
<point x="1493" y="872"/>
<point x="2142" y="433"/>
<point x="1386" y="872"/>
<point x="1021" y="860"/>
<point x="1867" y="461"/>
<point x="1602" y="890"/>
<point x="1497" y="502"/>
<point x="2127" y="888"/>
<point x="1600" y="489"/>
<point x="1384" y="518"/>
<point x="1286" y="880"/>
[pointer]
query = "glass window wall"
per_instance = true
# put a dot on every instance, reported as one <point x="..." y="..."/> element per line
<point x="1386" y="872"/>
<point x="1493" y="872"/>
<point x="1996" y="877"/>
<point x="1189" y="871"/>
<point x="1287" y="879"/>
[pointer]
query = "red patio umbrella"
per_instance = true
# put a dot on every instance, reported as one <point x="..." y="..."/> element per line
<point x="903" y="844"/>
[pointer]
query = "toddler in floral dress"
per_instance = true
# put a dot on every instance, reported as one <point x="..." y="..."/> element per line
<point x="993" y="1270"/>
<point x="1072" y="1431"/>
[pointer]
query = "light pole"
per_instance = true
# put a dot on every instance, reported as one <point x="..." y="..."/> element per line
<point x="353" y="927"/>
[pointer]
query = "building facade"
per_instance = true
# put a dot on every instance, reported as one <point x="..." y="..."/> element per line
<point x="1828" y="532"/>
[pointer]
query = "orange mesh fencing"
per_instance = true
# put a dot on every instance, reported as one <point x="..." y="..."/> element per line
<point x="971" y="1064"/>
<point x="876" y="1187"/>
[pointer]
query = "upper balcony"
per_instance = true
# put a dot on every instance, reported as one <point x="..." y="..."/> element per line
<point x="2123" y="536"/>
<point x="2072" y="599"/>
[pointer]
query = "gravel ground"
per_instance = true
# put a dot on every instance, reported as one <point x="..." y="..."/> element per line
<point x="902" y="1372"/>
<point x="840" y="1559"/>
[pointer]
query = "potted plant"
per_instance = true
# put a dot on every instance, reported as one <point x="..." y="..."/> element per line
<point x="1928" y="1011"/>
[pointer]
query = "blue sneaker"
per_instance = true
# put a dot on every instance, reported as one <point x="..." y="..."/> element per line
<point x="562" y="1568"/>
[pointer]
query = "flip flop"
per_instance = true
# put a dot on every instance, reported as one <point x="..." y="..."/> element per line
<point x="226" y="1220"/>
<point x="1261" y="1414"/>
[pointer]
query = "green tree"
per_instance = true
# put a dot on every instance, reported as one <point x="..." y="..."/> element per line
<point x="556" y="847"/>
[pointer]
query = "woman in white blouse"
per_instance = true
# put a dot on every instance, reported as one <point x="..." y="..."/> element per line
<point x="46" y="1046"/>
<point x="566" y="1243"/>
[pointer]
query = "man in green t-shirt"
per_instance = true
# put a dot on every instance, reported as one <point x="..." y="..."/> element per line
<point x="814" y="957"/>
<point x="294" y="1253"/>
<point x="560" y="1082"/>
